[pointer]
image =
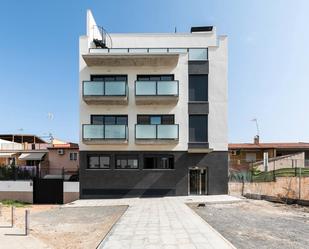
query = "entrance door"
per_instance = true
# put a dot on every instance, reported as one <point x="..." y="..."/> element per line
<point x="197" y="182"/>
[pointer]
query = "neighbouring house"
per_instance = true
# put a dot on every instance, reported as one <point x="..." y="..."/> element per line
<point x="24" y="151"/>
<point x="63" y="158"/>
<point x="153" y="113"/>
<point x="280" y="155"/>
<point x="41" y="158"/>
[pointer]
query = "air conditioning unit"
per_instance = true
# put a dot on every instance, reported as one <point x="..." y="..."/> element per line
<point x="60" y="151"/>
<point x="234" y="152"/>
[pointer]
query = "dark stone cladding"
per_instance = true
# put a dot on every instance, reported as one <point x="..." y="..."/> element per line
<point x="112" y="183"/>
<point x="198" y="67"/>
<point x="198" y="108"/>
<point x="197" y="145"/>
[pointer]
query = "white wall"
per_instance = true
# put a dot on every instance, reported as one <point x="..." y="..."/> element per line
<point x="218" y="97"/>
<point x="16" y="186"/>
<point x="70" y="187"/>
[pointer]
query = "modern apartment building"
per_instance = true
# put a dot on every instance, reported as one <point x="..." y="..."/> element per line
<point x="153" y="113"/>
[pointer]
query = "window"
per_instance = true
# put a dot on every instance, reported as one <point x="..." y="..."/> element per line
<point x="155" y="119"/>
<point x="32" y="163"/>
<point x="108" y="78"/>
<point x="198" y="87"/>
<point x="73" y="156"/>
<point x="250" y="157"/>
<point x="155" y="77"/>
<point x="98" y="162"/>
<point x="127" y="162"/>
<point x="159" y="162"/>
<point x="198" y="128"/>
<point x="109" y="120"/>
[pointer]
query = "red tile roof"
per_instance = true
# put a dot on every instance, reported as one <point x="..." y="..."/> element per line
<point x="299" y="145"/>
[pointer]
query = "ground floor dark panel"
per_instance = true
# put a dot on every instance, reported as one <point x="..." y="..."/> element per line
<point x="111" y="183"/>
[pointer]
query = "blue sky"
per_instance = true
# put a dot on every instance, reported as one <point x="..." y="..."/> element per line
<point x="268" y="59"/>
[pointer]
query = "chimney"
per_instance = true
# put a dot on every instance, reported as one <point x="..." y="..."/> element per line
<point x="256" y="139"/>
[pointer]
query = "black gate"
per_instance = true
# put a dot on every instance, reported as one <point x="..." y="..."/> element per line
<point x="47" y="191"/>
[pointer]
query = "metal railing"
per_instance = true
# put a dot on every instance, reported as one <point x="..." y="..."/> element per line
<point x="24" y="146"/>
<point x="260" y="171"/>
<point x="15" y="173"/>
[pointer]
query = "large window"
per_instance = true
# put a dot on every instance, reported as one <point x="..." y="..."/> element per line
<point x="126" y="162"/>
<point x="98" y="162"/>
<point x="168" y="77"/>
<point x="155" y="119"/>
<point x="108" y="78"/>
<point x="198" y="128"/>
<point x="198" y="87"/>
<point x="158" y="162"/>
<point x="109" y="119"/>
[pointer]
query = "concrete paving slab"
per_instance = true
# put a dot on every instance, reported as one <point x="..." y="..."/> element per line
<point x="165" y="222"/>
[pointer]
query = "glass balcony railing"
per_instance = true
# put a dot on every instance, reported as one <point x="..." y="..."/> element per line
<point x="157" y="88"/>
<point x="194" y="53"/>
<point x="104" y="88"/>
<point x="198" y="54"/>
<point x="105" y="132"/>
<point x="161" y="132"/>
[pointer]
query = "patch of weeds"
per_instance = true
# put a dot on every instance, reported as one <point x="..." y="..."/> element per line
<point x="14" y="203"/>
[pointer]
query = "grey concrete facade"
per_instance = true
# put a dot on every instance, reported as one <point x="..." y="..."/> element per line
<point x="109" y="183"/>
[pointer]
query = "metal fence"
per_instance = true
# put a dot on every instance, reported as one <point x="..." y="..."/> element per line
<point x="260" y="171"/>
<point x="11" y="172"/>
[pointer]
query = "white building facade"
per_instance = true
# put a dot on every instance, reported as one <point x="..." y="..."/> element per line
<point x="153" y="113"/>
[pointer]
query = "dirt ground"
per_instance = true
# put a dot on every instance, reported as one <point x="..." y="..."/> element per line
<point x="259" y="224"/>
<point x="68" y="227"/>
<point x="76" y="227"/>
<point x="19" y="217"/>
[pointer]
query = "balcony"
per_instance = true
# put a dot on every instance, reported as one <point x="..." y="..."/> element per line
<point x="133" y="56"/>
<point x="156" y="92"/>
<point x="105" y="92"/>
<point x="156" y="134"/>
<point x="105" y="134"/>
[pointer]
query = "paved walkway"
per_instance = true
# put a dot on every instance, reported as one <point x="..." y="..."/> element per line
<point x="168" y="223"/>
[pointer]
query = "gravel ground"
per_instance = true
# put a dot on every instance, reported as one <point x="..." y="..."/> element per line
<point x="259" y="224"/>
<point x="74" y="227"/>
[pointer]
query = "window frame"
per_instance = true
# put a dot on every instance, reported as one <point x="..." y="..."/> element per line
<point x="207" y="88"/>
<point x="158" y="158"/>
<point x="206" y="128"/>
<point x="98" y="155"/>
<point x="74" y="158"/>
<point x="148" y="116"/>
<point x="104" y="116"/>
<point x="127" y="157"/>
<point x="148" y="76"/>
<point x="102" y="77"/>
